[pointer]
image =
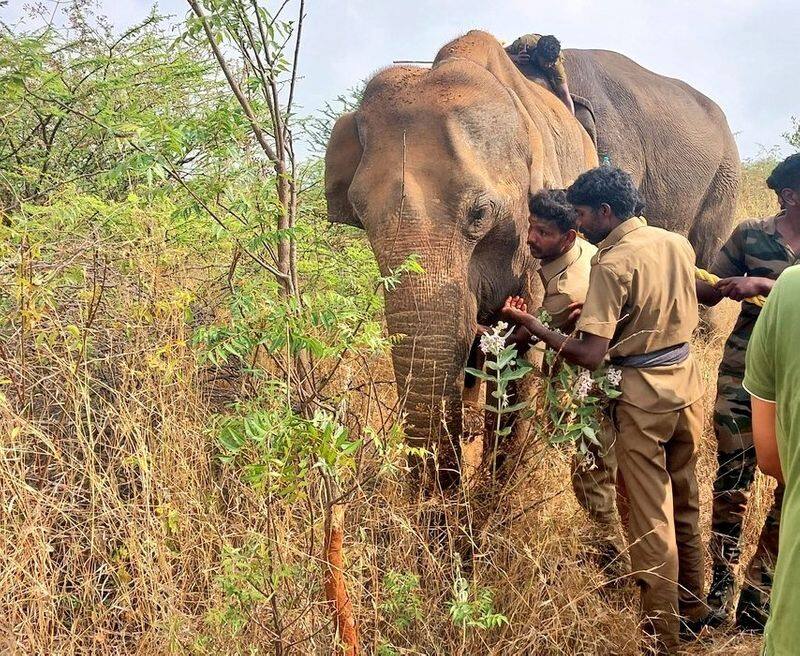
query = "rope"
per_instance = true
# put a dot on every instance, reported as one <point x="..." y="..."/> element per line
<point x="711" y="279"/>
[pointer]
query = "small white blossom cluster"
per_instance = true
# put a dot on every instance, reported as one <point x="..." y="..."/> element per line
<point x="583" y="385"/>
<point x="614" y="376"/>
<point x="494" y="342"/>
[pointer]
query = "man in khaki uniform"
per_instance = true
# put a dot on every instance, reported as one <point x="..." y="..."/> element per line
<point x="644" y="320"/>
<point x="565" y="261"/>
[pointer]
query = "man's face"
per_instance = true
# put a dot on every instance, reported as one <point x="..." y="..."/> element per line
<point x="593" y="223"/>
<point x="542" y="62"/>
<point x="546" y="240"/>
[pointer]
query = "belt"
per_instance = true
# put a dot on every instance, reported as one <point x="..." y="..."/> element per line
<point x="661" y="358"/>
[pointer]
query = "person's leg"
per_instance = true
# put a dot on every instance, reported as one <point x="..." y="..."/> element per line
<point x="736" y="470"/>
<point x="594" y="483"/>
<point x="752" y="610"/>
<point x="681" y="461"/>
<point x="654" y="556"/>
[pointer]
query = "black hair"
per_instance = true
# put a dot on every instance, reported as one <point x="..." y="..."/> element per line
<point x="641" y="205"/>
<point x="551" y="205"/>
<point x="548" y="48"/>
<point x="609" y="185"/>
<point x="786" y="175"/>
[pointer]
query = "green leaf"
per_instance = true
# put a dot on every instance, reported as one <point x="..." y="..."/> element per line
<point x="478" y="373"/>
<point x="514" y="374"/>
<point x="515" y="408"/>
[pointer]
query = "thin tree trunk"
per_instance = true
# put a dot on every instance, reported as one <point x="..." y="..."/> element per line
<point x="335" y="585"/>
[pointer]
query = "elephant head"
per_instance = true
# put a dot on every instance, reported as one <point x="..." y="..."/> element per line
<point x="439" y="163"/>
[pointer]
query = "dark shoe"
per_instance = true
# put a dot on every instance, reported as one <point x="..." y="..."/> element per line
<point x="752" y="611"/>
<point x="612" y="560"/>
<point x="691" y="629"/>
<point x="720" y="595"/>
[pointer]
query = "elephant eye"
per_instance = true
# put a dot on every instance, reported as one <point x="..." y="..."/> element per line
<point x="477" y="214"/>
<point x="480" y="218"/>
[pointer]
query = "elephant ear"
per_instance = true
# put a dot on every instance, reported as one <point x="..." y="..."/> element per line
<point x="342" y="158"/>
<point x="535" y="151"/>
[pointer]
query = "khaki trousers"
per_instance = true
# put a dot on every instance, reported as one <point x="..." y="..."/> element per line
<point x="596" y="487"/>
<point x="656" y="454"/>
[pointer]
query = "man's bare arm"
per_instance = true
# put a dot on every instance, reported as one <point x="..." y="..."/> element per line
<point x="562" y="91"/>
<point x="765" y="438"/>
<point x="586" y="351"/>
<point x="707" y="294"/>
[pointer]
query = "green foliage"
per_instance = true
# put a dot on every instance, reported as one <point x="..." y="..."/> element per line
<point x="403" y="603"/>
<point x="575" y="400"/>
<point x="793" y="136"/>
<point x="277" y="450"/>
<point x="505" y="367"/>
<point x="248" y="579"/>
<point x="473" y="607"/>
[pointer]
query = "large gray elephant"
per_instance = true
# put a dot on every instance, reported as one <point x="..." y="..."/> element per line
<point x="439" y="162"/>
<point x="672" y="139"/>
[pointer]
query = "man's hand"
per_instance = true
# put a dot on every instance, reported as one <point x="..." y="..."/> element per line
<point x="741" y="287"/>
<point x="522" y="57"/>
<point x="515" y="311"/>
<point x="516" y="302"/>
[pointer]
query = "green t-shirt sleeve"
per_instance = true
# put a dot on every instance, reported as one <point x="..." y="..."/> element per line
<point x="759" y="377"/>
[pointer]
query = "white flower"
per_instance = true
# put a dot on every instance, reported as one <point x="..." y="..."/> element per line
<point x="583" y="385"/>
<point x="492" y="343"/>
<point x="504" y="400"/>
<point x="614" y="376"/>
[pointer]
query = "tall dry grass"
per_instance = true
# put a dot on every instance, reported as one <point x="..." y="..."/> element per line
<point x="121" y="532"/>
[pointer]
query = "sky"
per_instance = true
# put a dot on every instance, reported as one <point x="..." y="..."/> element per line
<point x="741" y="53"/>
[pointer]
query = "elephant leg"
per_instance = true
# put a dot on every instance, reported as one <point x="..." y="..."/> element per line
<point x="714" y="220"/>
<point x="586" y="119"/>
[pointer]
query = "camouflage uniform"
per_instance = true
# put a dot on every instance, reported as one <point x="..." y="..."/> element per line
<point x="755" y="248"/>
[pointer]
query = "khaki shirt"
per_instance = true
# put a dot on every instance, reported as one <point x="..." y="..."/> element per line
<point x="642" y="297"/>
<point x="556" y="74"/>
<point x="566" y="280"/>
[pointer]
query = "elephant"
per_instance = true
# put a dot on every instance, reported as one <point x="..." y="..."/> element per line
<point x="439" y="163"/>
<point x="672" y="139"/>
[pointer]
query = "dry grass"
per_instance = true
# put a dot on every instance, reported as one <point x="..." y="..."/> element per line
<point x="120" y="532"/>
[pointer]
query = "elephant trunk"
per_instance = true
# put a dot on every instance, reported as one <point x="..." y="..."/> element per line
<point x="437" y="319"/>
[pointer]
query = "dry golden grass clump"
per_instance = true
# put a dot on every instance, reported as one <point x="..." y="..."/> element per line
<point x="121" y="531"/>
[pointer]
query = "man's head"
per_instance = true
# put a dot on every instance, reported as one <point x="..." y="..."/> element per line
<point x="552" y="224"/>
<point x="603" y="198"/>
<point x="547" y="50"/>
<point x="785" y="181"/>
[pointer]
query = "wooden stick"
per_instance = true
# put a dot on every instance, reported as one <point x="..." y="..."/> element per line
<point x="335" y="588"/>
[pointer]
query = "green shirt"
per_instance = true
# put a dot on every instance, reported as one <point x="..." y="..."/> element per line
<point x="773" y="374"/>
